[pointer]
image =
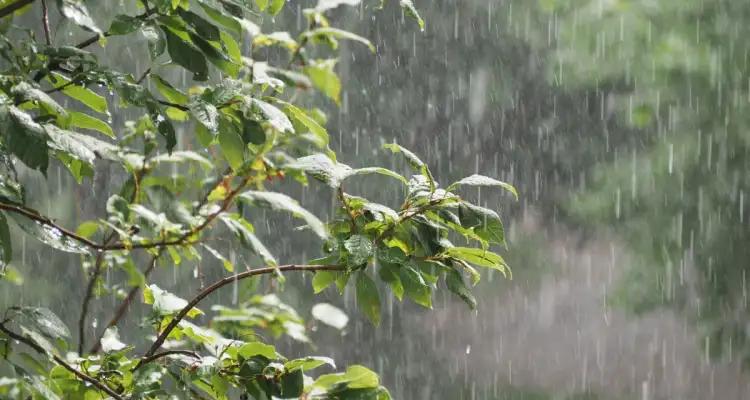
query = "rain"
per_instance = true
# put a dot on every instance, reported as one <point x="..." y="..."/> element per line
<point x="621" y="123"/>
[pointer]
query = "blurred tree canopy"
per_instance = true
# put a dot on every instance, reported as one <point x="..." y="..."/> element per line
<point x="675" y="75"/>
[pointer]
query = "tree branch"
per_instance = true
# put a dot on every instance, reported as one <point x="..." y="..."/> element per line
<point x="218" y="285"/>
<point x="122" y="309"/>
<point x="90" y="293"/>
<point x="97" y="383"/>
<point x="45" y="22"/>
<point x="11" y="8"/>
<point x="33" y="215"/>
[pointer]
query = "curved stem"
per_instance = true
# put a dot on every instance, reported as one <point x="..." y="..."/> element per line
<point x="218" y="285"/>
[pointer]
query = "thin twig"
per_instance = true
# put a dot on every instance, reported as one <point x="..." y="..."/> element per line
<point x="11" y="8"/>
<point x="144" y="75"/>
<point x="99" y="384"/>
<point x="90" y="293"/>
<point x="218" y="285"/>
<point x="124" y="306"/>
<point x="33" y="215"/>
<point x="45" y="23"/>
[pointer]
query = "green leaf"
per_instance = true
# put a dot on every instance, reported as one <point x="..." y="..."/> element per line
<point x="360" y="249"/>
<point x="455" y="282"/>
<point x="310" y="123"/>
<point x="251" y="349"/>
<point x="215" y="55"/>
<point x="10" y="190"/>
<point x="87" y="229"/>
<point x="205" y="113"/>
<point x="415" y="287"/>
<point x="389" y="273"/>
<point x="308" y="363"/>
<point x="414" y="162"/>
<point x="355" y="377"/>
<point x="322" y="168"/>
<point x="165" y="303"/>
<point x="124" y="24"/>
<point x="81" y="120"/>
<point x="335" y="33"/>
<point x="24" y="138"/>
<point x="205" y="29"/>
<point x="84" y="95"/>
<point x="323" y="279"/>
<point x="275" y="117"/>
<point x="169" y="92"/>
<point x="481" y="180"/>
<point x="368" y="299"/>
<point x="276" y="6"/>
<point x="225" y="20"/>
<point x="25" y="92"/>
<point x="157" y="42"/>
<point x="76" y="11"/>
<point x="48" y="235"/>
<point x="330" y="315"/>
<point x="485" y="222"/>
<point x="6" y="250"/>
<point x="480" y="257"/>
<point x="292" y="384"/>
<point x="323" y="77"/>
<point x="262" y="4"/>
<point x="232" y="147"/>
<point x="411" y="11"/>
<point x="282" y="202"/>
<point x="186" y="55"/>
<point x="81" y="147"/>
<point x="45" y="322"/>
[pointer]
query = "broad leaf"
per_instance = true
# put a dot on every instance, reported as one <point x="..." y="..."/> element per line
<point x="76" y="11"/>
<point x="481" y="180"/>
<point x="368" y="299"/>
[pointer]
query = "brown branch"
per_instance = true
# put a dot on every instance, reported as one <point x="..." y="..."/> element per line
<point x="45" y="22"/>
<point x="11" y="8"/>
<point x="99" y="384"/>
<point x="90" y="293"/>
<point x="124" y="306"/>
<point x="33" y="215"/>
<point x="218" y="285"/>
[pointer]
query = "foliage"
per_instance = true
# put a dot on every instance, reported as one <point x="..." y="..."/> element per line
<point x="214" y="149"/>
<point x="673" y="72"/>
